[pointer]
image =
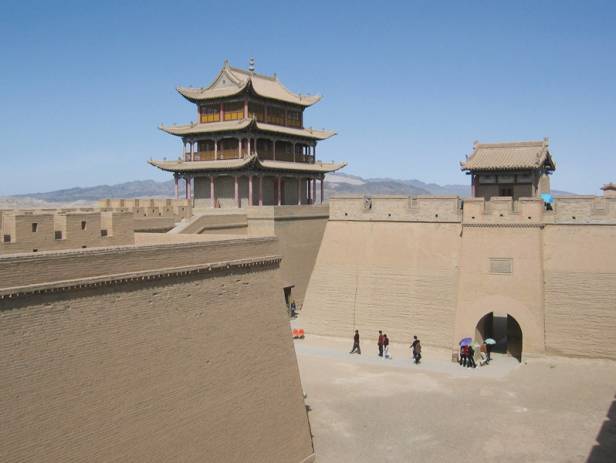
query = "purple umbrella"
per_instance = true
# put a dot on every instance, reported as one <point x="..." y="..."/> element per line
<point x="466" y="342"/>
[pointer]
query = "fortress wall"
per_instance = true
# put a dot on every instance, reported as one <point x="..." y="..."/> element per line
<point x="396" y="276"/>
<point x="184" y="366"/>
<point x="27" y="231"/>
<point x="45" y="267"/>
<point x="397" y="208"/>
<point x="501" y="271"/>
<point x="580" y="290"/>
<point x="584" y="209"/>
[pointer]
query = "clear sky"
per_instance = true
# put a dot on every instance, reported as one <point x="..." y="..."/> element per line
<point x="407" y="85"/>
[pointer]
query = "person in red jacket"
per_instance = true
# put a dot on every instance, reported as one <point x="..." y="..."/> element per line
<point x="380" y="343"/>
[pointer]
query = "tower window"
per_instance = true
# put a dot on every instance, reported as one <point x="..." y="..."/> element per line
<point x="234" y="111"/>
<point x="210" y="113"/>
<point x="275" y="115"/>
<point x="508" y="191"/>
<point x="83" y="224"/>
<point x="294" y="119"/>
<point x="34" y="227"/>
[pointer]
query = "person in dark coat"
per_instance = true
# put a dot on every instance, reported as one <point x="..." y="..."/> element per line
<point x="385" y="346"/>
<point x="417" y="351"/>
<point x="470" y="361"/>
<point x="379" y="343"/>
<point x="356" y="349"/>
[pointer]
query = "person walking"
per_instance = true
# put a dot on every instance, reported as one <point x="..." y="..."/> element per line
<point x="413" y="344"/>
<point x="356" y="349"/>
<point x="379" y="343"/>
<point x="386" y="346"/>
<point x="417" y="351"/>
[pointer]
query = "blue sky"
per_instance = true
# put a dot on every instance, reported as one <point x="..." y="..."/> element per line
<point x="408" y="85"/>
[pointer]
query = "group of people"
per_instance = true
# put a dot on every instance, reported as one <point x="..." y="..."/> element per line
<point x="469" y="357"/>
<point x="383" y="346"/>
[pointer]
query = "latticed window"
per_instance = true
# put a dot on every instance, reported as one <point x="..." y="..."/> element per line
<point x="294" y="119"/>
<point x="275" y="115"/>
<point x="210" y="113"/>
<point x="257" y="111"/>
<point x="234" y="111"/>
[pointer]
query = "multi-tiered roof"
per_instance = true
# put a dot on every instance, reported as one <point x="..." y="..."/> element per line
<point x="246" y="119"/>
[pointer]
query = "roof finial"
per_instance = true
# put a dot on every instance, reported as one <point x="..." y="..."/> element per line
<point x="251" y="64"/>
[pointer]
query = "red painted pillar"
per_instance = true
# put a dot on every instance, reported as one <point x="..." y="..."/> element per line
<point x="186" y="187"/>
<point x="322" y="189"/>
<point x="309" y="193"/>
<point x="177" y="186"/>
<point x="222" y="113"/>
<point x="212" y="191"/>
<point x="279" y="190"/>
<point x="245" y="108"/>
<point x="299" y="191"/>
<point x="250" y="189"/>
<point x="237" y="191"/>
<point x="260" y="190"/>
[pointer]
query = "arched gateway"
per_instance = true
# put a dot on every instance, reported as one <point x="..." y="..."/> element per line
<point x="505" y="330"/>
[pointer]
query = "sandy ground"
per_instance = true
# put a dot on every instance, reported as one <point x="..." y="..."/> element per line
<point x="366" y="409"/>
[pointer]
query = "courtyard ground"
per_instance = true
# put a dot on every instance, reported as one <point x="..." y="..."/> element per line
<point x="366" y="409"/>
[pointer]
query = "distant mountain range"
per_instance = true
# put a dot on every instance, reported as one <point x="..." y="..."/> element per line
<point x="335" y="184"/>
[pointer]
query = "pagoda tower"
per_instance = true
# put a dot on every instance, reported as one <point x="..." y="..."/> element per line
<point x="249" y="146"/>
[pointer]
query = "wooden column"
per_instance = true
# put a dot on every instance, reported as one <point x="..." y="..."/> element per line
<point x="314" y="191"/>
<point x="222" y="113"/>
<point x="279" y="190"/>
<point x="186" y="187"/>
<point x="212" y="191"/>
<point x="250" y="190"/>
<point x="177" y="186"/>
<point x="260" y="190"/>
<point x="215" y="148"/>
<point x="299" y="191"/>
<point x="322" y="189"/>
<point x="308" y="192"/>
<point x="239" y="148"/>
<point x="192" y="151"/>
<point x="274" y="149"/>
<point x="245" y="108"/>
<point x="237" y="191"/>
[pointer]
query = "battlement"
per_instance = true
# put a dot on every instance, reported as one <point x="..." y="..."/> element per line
<point x="396" y="208"/>
<point x="58" y="229"/>
<point x="150" y="207"/>
<point x="498" y="210"/>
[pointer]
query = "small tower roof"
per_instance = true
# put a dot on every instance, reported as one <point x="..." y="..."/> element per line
<point x="509" y="156"/>
<point x="231" y="81"/>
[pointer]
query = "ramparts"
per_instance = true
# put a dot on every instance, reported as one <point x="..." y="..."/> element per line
<point x="151" y="214"/>
<point x="51" y="229"/>
<point x="139" y="353"/>
<point x="434" y="266"/>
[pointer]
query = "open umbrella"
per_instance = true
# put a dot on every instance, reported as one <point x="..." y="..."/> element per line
<point x="466" y="342"/>
<point x="490" y="341"/>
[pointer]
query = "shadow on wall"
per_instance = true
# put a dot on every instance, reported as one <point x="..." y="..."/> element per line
<point x="605" y="450"/>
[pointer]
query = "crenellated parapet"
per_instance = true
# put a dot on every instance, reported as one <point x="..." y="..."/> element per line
<point x="59" y="229"/>
<point x="476" y="211"/>
<point x="445" y="209"/>
<point x="583" y="210"/>
<point x="503" y="211"/>
<point x="150" y="207"/>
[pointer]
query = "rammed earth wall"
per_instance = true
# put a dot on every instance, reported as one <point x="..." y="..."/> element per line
<point x="430" y="266"/>
<point x="165" y="353"/>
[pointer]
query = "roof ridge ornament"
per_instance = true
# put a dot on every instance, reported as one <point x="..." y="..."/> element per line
<point x="251" y="64"/>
